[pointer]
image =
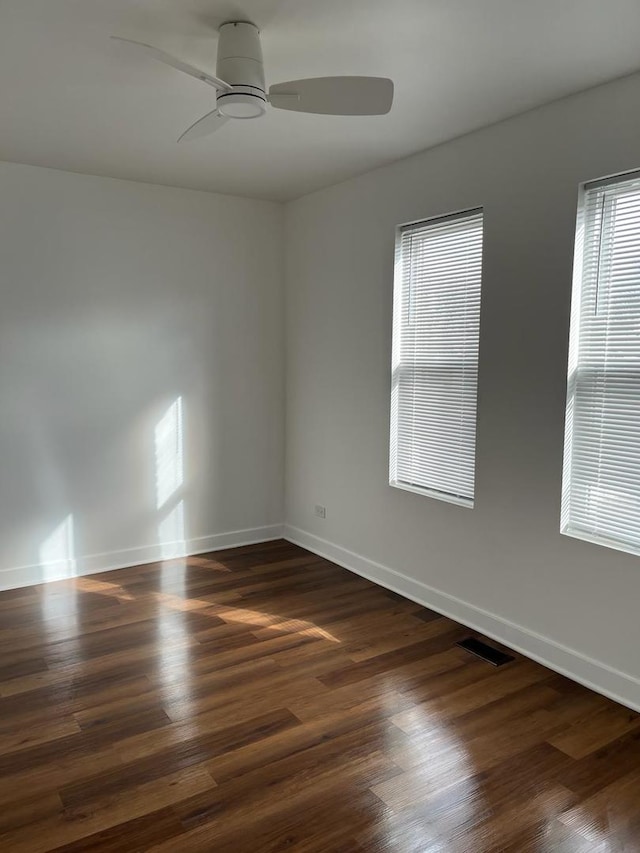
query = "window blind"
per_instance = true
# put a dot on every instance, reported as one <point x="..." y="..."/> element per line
<point x="435" y="356"/>
<point x="601" y="476"/>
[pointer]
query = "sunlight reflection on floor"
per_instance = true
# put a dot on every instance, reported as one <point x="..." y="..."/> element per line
<point x="174" y="574"/>
<point x="88" y="584"/>
<point x="437" y="759"/>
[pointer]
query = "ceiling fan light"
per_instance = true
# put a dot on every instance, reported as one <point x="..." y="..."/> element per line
<point x="241" y="105"/>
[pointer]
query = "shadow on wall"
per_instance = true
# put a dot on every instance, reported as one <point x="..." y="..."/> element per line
<point x="56" y="555"/>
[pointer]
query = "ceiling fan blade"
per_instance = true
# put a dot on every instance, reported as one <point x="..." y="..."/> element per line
<point x="342" y="96"/>
<point x="156" y="53"/>
<point x="204" y="126"/>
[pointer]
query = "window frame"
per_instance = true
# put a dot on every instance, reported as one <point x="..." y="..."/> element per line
<point x="398" y="296"/>
<point x="575" y="330"/>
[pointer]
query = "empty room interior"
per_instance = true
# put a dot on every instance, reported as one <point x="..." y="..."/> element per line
<point x="320" y="426"/>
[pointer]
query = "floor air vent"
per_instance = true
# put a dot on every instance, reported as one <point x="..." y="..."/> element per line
<point x="485" y="652"/>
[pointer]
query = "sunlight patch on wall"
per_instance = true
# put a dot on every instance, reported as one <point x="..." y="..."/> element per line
<point x="169" y="466"/>
<point x="169" y="453"/>
<point x="58" y="562"/>
<point x="56" y="554"/>
<point x="171" y="533"/>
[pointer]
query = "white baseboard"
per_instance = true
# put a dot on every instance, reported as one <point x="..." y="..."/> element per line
<point x="93" y="563"/>
<point x="598" y="676"/>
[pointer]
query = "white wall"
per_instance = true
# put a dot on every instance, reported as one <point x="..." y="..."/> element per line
<point x="117" y="300"/>
<point x="503" y="566"/>
<point x="125" y="308"/>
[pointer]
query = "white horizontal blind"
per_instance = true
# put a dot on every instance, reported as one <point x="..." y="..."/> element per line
<point x="435" y="356"/>
<point x="601" y="476"/>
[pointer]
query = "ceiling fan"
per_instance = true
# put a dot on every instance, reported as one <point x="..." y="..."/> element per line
<point x="240" y="85"/>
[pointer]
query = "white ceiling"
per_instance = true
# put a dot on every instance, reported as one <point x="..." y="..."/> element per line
<point x="72" y="99"/>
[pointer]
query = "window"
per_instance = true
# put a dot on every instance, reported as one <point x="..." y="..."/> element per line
<point x="601" y="475"/>
<point x="436" y="324"/>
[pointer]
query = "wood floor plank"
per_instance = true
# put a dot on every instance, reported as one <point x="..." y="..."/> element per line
<point x="76" y="825"/>
<point x="263" y="699"/>
<point x="184" y="754"/>
<point x="604" y="726"/>
<point x="137" y="834"/>
<point x="25" y="737"/>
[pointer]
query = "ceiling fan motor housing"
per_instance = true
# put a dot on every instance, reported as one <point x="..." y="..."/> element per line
<point x="240" y="64"/>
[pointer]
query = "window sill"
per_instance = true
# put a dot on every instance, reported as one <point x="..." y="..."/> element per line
<point x="433" y="493"/>
<point x="594" y="539"/>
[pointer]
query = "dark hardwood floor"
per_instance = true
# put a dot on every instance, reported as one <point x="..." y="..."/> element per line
<point x="263" y="699"/>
